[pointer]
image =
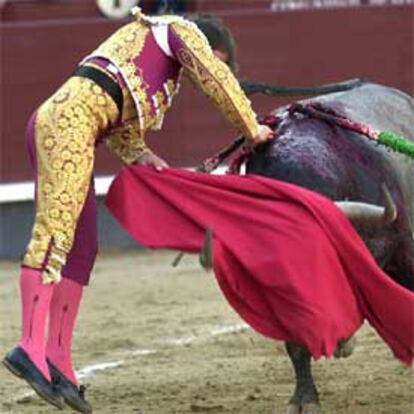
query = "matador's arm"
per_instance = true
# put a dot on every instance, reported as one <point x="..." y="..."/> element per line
<point x="213" y="76"/>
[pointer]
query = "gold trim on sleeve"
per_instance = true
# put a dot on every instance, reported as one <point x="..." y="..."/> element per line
<point x="215" y="79"/>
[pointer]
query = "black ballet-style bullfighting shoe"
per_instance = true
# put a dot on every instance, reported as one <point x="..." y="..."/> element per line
<point x="18" y="363"/>
<point x="73" y="396"/>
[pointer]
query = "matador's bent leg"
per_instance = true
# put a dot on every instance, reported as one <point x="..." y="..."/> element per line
<point x="67" y="127"/>
<point x="67" y="297"/>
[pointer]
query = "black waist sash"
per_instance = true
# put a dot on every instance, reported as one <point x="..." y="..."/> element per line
<point x="104" y="81"/>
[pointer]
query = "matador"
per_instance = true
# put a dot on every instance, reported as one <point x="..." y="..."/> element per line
<point x="117" y="93"/>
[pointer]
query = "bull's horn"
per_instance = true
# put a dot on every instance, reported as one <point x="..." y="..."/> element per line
<point x="364" y="213"/>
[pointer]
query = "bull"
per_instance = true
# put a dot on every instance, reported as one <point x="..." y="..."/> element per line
<point x="342" y="165"/>
<point x="318" y="155"/>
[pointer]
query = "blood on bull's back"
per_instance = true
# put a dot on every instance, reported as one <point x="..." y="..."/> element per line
<point x="344" y="165"/>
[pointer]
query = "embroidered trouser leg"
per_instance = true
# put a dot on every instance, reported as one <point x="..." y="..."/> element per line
<point x="62" y="138"/>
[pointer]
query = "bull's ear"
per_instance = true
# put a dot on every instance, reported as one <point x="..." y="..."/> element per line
<point x="206" y="253"/>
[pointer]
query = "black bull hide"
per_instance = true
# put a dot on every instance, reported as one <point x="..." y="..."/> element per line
<point x="346" y="166"/>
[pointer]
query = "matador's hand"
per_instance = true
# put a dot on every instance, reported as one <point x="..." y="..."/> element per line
<point x="149" y="159"/>
<point x="264" y="134"/>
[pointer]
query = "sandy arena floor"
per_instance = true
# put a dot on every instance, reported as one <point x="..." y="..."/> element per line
<point x="153" y="339"/>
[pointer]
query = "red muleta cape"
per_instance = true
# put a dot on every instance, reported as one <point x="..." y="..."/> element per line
<point x="286" y="258"/>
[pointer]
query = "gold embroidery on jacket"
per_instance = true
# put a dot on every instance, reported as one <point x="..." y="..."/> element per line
<point x="67" y="126"/>
<point x="215" y="79"/>
<point x="120" y="49"/>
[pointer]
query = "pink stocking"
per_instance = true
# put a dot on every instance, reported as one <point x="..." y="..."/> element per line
<point x="63" y="311"/>
<point x="35" y="299"/>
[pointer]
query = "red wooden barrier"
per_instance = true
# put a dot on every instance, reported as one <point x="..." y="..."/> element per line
<point x="303" y="47"/>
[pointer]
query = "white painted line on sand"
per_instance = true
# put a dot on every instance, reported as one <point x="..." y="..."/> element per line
<point x="91" y="369"/>
<point x="142" y="352"/>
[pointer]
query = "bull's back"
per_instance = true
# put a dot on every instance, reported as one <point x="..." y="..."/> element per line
<point x="381" y="107"/>
<point x="338" y="162"/>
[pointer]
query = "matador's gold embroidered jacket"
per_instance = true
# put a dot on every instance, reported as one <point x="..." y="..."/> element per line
<point x="151" y="53"/>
